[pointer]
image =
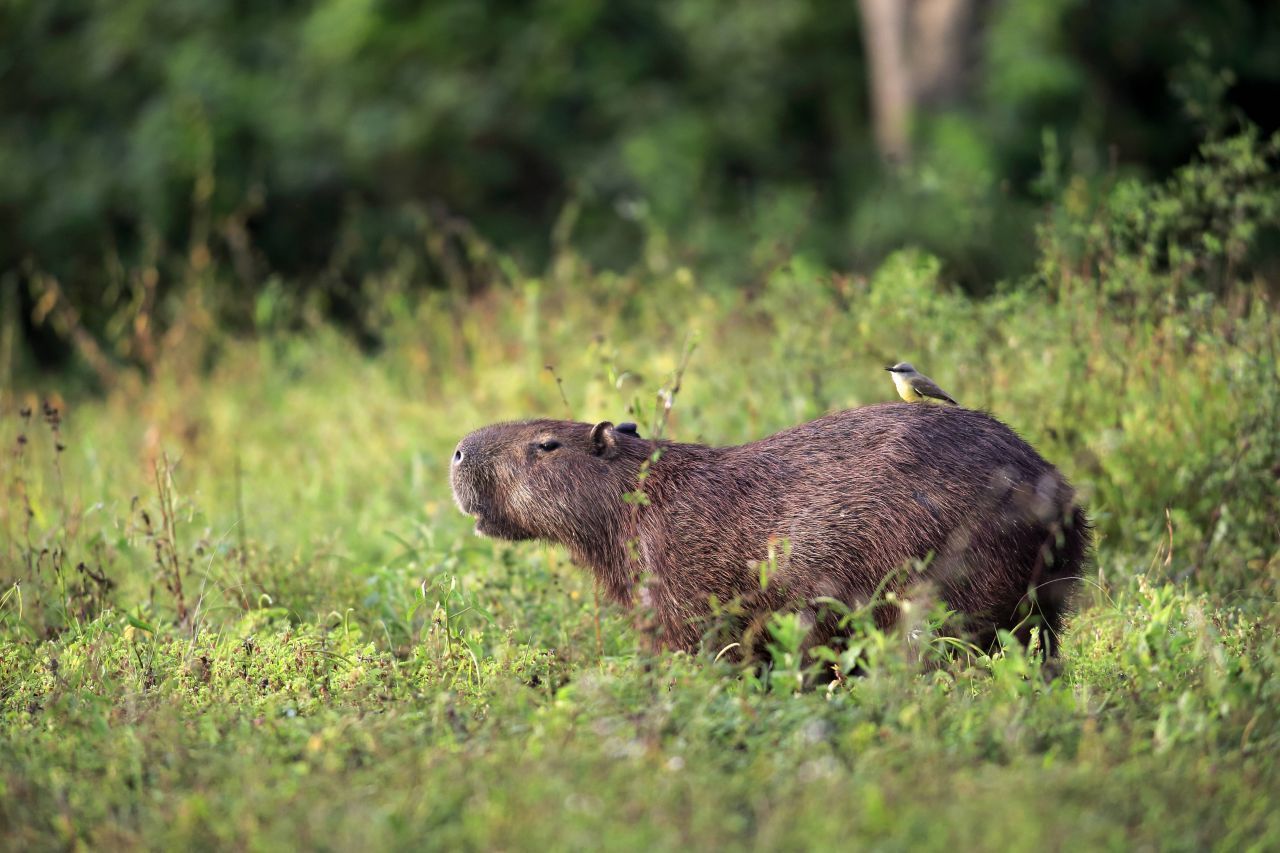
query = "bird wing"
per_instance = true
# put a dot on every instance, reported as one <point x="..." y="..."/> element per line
<point x="926" y="387"/>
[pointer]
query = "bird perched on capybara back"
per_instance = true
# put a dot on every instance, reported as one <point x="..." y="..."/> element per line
<point x="842" y="507"/>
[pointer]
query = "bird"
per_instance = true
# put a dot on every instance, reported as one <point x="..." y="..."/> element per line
<point x="914" y="387"/>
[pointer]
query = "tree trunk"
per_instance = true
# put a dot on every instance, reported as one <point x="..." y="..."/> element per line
<point x="942" y="36"/>
<point x="884" y="33"/>
<point x="918" y="55"/>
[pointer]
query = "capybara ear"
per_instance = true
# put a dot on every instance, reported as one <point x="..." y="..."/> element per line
<point x="629" y="428"/>
<point x="603" y="441"/>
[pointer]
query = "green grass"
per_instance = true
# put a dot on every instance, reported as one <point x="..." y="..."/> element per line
<point x="355" y="668"/>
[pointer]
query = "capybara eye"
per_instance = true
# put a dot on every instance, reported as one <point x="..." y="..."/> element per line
<point x="548" y="445"/>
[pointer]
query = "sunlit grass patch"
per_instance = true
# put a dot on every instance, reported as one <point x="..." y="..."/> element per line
<point x="240" y="609"/>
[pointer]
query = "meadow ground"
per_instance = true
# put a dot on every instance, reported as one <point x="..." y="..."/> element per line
<point x="240" y="609"/>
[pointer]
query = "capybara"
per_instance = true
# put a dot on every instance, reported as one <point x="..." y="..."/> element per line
<point x="853" y="506"/>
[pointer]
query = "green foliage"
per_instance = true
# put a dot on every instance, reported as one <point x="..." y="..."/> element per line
<point x="239" y="609"/>
<point x="1157" y="246"/>
<point x="328" y="141"/>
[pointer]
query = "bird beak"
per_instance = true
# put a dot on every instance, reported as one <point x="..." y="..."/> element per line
<point x="890" y="369"/>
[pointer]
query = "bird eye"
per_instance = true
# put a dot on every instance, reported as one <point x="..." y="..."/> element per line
<point x="548" y="445"/>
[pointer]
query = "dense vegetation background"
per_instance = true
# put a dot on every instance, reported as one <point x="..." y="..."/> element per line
<point x="261" y="265"/>
<point x="320" y="143"/>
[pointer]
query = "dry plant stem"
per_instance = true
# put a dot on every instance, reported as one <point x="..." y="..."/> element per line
<point x="53" y="418"/>
<point x="21" y="490"/>
<point x="68" y="317"/>
<point x="144" y="344"/>
<point x="169" y="562"/>
<point x="8" y="335"/>
<point x="241" y="535"/>
<point x="595" y="617"/>
<point x="568" y="410"/>
<point x="595" y="583"/>
<point x="665" y="402"/>
<point x="667" y="397"/>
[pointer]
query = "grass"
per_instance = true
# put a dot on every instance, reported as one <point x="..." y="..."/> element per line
<point x="240" y="610"/>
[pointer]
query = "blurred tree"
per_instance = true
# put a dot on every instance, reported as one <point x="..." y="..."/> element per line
<point x="321" y="142"/>
<point x="920" y="54"/>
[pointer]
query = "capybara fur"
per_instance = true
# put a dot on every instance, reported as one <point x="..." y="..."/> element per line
<point x="865" y="507"/>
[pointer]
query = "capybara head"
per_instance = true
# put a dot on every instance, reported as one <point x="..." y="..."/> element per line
<point x="560" y="481"/>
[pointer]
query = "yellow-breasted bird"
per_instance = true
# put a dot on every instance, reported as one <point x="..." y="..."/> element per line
<point x="915" y="387"/>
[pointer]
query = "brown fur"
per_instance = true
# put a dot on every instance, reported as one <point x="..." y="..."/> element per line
<point x="847" y="503"/>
